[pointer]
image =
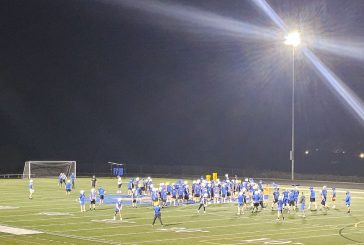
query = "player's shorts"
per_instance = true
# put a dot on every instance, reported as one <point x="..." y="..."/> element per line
<point x="347" y="204"/>
<point x="216" y="195"/>
<point x="168" y="193"/>
<point x="174" y="197"/>
<point x="292" y="203"/>
<point x="93" y="201"/>
<point x="134" y="200"/>
<point x="280" y="210"/>
<point x="187" y="197"/>
<point x="102" y="197"/>
<point x="68" y="190"/>
<point x="82" y="203"/>
<point x="229" y="194"/>
<point x="240" y="205"/>
<point x="163" y="200"/>
<point x="197" y="195"/>
<point x="323" y="202"/>
<point x="312" y="199"/>
<point x="256" y="204"/>
<point x="333" y="199"/>
<point x="119" y="186"/>
<point x="180" y="197"/>
<point x="117" y="210"/>
<point x="142" y="188"/>
<point x="223" y="195"/>
<point x="275" y="200"/>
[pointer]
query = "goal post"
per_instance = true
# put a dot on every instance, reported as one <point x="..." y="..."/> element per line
<point x="37" y="169"/>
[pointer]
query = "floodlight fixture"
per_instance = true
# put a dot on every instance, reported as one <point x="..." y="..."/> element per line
<point x="293" y="39"/>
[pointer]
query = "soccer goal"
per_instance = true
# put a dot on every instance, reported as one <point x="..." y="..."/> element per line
<point x="37" y="169"/>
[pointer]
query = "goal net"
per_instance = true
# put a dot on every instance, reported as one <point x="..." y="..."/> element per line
<point x="36" y="169"/>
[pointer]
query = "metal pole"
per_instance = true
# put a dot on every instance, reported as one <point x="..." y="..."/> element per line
<point x="293" y="100"/>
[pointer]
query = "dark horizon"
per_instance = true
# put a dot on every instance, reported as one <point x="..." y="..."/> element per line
<point x="95" y="81"/>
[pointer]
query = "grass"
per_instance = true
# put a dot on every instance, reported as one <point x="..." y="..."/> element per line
<point x="220" y="225"/>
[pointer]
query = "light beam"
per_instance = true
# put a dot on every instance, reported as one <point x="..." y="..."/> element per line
<point x="346" y="94"/>
<point x="338" y="47"/>
<point x="199" y="18"/>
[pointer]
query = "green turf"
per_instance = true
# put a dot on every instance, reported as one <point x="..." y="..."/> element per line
<point x="220" y="225"/>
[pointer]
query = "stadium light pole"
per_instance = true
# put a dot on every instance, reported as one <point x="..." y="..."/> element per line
<point x="293" y="39"/>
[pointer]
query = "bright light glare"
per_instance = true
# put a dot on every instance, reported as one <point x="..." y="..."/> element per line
<point x="293" y="39"/>
<point x="361" y="155"/>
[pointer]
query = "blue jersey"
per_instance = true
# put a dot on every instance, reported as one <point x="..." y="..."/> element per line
<point x="260" y="195"/>
<point x="82" y="199"/>
<point x="291" y="196"/>
<point x="324" y="194"/>
<point x="174" y="192"/>
<point x="68" y="186"/>
<point x="197" y="189"/>
<point x="30" y="186"/>
<point x="347" y="199"/>
<point x="157" y="210"/>
<point x="280" y="205"/>
<point x="163" y="194"/>
<point x="180" y="191"/>
<point x="276" y="195"/>
<point x="224" y="190"/>
<point x="312" y="193"/>
<point x="101" y="191"/>
<point x="241" y="199"/>
<point x="255" y="198"/>
<point x="296" y="194"/>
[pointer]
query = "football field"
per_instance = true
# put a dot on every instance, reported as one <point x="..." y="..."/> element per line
<point x="51" y="217"/>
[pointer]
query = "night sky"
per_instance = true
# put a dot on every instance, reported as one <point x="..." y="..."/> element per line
<point x="99" y="81"/>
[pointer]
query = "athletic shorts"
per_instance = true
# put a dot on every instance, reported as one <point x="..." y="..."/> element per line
<point x="197" y="195"/>
<point x="348" y="205"/>
<point x="228" y="194"/>
<point x="134" y="200"/>
<point x="240" y="205"/>
<point x="186" y="197"/>
<point x="93" y="201"/>
<point x="256" y="204"/>
<point x="174" y="197"/>
<point x="68" y="190"/>
<point x="119" y="186"/>
<point x="275" y="200"/>
<point x="180" y="197"/>
<point x="223" y="195"/>
<point x="102" y="197"/>
<point x="291" y="203"/>
<point x="333" y="199"/>
<point x="323" y="202"/>
<point x="312" y="199"/>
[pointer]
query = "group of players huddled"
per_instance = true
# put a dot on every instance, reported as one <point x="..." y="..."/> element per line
<point x="248" y="194"/>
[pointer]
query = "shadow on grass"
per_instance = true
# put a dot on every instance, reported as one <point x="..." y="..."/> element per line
<point x="172" y="224"/>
